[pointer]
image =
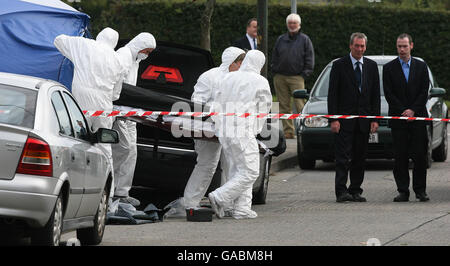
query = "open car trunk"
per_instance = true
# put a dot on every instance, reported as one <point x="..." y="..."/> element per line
<point x="167" y="77"/>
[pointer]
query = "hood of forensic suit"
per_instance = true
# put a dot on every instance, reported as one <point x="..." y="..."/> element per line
<point x="228" y="56"/>
<point x="141" y="41"/>
<point x="108" y="37"/>
<point x="253" y="62"/>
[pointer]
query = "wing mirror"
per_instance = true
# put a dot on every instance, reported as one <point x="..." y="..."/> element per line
<point x="104" y="135"/>
<point x="300" y="94"/>
<point x="437" y="92"/>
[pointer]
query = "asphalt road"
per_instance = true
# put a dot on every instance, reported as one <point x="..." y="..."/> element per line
<point x="301" y="210"/>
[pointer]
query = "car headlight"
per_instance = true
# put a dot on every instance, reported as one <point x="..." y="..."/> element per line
<point x="316" y="122"/>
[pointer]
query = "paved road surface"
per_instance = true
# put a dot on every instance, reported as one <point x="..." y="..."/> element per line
<point x="301" y="210"/>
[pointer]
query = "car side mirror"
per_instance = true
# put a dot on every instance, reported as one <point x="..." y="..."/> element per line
<point x="437" y="92"/>
<point x="300" y="94"/>
<point x="104" y="135"/>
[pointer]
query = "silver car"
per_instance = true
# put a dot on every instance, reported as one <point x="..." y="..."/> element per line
<point x="316" y="141"/>
<point x="54" y="176"/>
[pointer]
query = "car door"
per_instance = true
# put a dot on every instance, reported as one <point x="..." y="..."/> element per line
<point x="70" y="157"/>
<point x="435" y="105"/>
<point x="95" y="163"/>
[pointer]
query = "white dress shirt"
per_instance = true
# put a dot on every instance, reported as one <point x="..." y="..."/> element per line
<point x="250" y="40"/>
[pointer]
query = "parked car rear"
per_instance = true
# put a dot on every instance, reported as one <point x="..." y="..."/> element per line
<point x="54" y="177"/>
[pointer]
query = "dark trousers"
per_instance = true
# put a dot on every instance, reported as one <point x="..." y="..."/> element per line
<point x="411" y="142"/>
<point x="350" y="152"/>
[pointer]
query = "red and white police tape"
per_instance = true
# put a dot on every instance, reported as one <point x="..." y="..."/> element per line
<point x="244" y="115"/>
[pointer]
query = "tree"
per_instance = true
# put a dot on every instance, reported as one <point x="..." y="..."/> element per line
<point x="205" y="25"/>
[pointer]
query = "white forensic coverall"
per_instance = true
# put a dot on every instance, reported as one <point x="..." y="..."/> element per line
<point x="208" y="152"/>
<point x="97" y="70"/>
<point x="243" y="91"/>
<point x="125" y="152"/>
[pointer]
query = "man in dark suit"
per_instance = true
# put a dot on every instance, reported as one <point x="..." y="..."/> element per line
<point x="354" y="88"/>
<point x="406" y="84"/>
<point x="250" y="40"/>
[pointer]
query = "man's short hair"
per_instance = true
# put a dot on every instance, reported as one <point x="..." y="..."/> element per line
<point x="294" y="17"/>
<point x="405" y="35"/>
<point x="240" y="58"/>
<point x="250" y="21"/>
<point x="358" y="35"/>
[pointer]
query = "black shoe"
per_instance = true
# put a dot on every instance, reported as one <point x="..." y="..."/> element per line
<point x="357" y="197"/>
<point x="344" y="197"/>
<point x="422" y="196"/>
<point x="402" y="197"/>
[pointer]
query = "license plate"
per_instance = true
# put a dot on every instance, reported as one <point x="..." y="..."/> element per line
<point x="373" y="138"/>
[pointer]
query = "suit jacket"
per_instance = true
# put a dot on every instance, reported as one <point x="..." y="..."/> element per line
<point x="344" y="97"/>
<point x="402" y="95"/>
<point x="243" y="43"/>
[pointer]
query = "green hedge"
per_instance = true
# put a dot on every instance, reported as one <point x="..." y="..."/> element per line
<point x="329" y="28"/>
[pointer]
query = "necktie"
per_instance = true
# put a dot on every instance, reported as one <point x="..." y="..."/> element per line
<point x="405" y="68"/>
<point x="254" y="44"/>
<point x="358" y="75"/>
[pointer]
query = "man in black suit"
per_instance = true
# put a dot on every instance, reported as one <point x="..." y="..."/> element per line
<point x="406" y="84"/>
<point x="354" y="88"/>
<point x="250" y="40"/>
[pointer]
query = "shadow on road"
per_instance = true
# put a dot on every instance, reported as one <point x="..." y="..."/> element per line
<point x="371" y="165"/>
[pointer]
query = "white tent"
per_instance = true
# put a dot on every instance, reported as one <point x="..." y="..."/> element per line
<point x="52" y="3"/>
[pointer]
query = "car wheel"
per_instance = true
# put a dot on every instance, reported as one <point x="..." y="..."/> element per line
<point x="440" y="153"/>
<point x="430" y="149"/>
<point x="94" y="235"/>
<point x="50" y="235"/>
<point x="303" y="162"/>
<point x="259" y="197"/>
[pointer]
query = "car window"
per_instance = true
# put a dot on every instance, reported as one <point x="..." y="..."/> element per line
<point x="17" y="106"/>
<point x="65" y="126"/>
<point x="321" y="90"/>
<point x="79" y="122"/>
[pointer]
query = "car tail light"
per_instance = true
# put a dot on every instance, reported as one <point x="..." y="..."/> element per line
<point x="36" y="158"/>
<point x="170" y="74"/>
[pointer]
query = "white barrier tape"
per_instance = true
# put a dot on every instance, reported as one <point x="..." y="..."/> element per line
<point x="258" y="115"/>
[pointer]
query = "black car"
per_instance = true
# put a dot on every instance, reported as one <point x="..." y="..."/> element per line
<point x="165" y="162"/>
<point x="315" y="141"/>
